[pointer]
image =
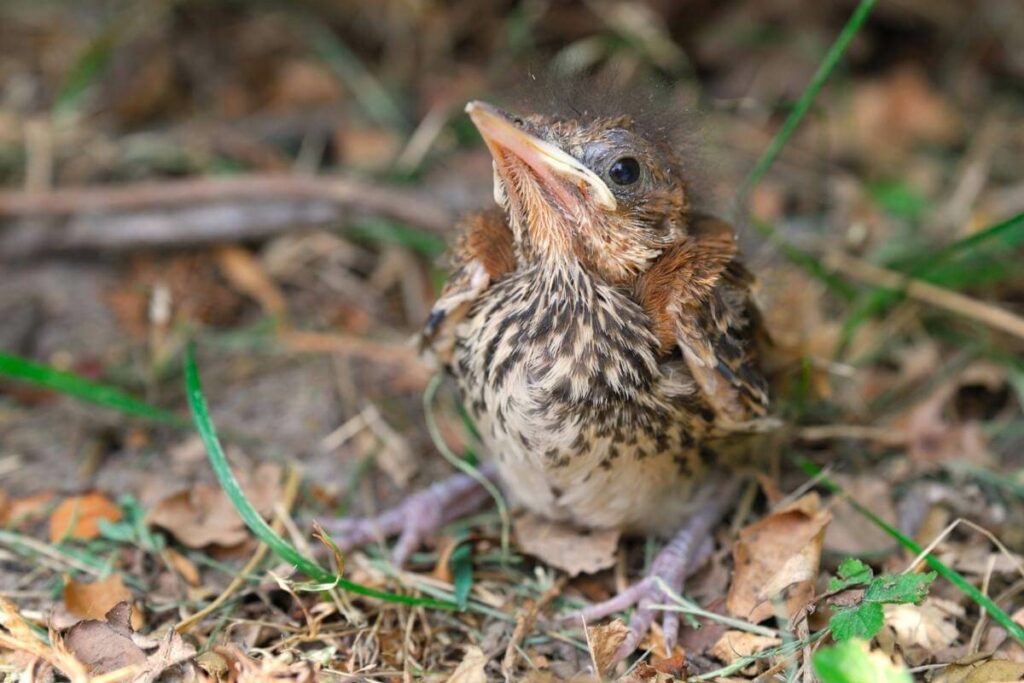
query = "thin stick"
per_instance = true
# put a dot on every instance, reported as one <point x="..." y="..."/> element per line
<point x="980" y="311"/>
<point x="410" y="207"/>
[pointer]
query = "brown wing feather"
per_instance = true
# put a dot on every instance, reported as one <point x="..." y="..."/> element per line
<point x="698" y="298"/>
<point x="483" y="254"/>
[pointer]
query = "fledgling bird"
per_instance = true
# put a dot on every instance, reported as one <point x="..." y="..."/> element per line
<point x="602" y="334"/>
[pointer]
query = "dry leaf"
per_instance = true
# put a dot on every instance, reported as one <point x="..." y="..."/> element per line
<point x="184" y="566"/>
<point x="604" y="642"/>
<point x="471" y="668"/>
<point x="17" y="511"/>
<point x="79" y="517"/>
<point x="847" y="534"/>
<point x="777" y="555"/>
<point x="94" y="600"/>
<point x="565" y="547"/>
<point x="203" y="515"/>
<point x="105" y="646"/>
<point x="110" y="645"/>
<point x="929" y="625"/>
<point x="979" y="668"/>
<point x="735" y="645"/>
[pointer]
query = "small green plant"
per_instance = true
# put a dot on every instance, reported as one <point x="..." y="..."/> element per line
<point x="864" y="618"/>
<point x="852" y="662"/>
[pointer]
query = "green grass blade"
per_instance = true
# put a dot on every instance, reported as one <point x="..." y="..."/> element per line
<point x="46" y="377"/>
<point x="253" y="520"/>
<point x="983" y="601"/>
<point x="803" y="105"/>
<point x="965" y="262"/>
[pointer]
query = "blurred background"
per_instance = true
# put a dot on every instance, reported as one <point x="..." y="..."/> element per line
<point x="277" y="180"/>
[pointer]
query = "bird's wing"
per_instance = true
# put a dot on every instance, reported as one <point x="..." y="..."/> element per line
<point x="483" y="253"/>
<point x="698" y="297"/>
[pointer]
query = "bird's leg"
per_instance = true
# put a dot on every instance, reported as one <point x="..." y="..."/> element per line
<point x="417" y="518"/>
<point x="681" y="557"/>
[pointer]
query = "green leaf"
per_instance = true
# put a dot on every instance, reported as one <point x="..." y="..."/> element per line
<point x="851" y="572"/>
<point x="900" y="588"/>
<point x="44" y="376"/>
<point x="970" y="590"/>
<point x="852" y="662"/>
<point x="461" y="563"/>
<point x="253" y="520"/>
<point x="863" y="621"/>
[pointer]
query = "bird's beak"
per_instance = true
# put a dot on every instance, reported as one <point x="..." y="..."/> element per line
<point x="553" y="168"/>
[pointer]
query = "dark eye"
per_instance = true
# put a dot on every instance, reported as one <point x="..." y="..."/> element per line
<point x="624" y="171"/>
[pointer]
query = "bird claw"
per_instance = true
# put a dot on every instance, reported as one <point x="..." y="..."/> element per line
<point x="669" y="570"/>
<point x="680" y="558"/>
<point x="415" y="520"/>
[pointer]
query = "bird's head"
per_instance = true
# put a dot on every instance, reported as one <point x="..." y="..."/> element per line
<point x="597" y="190"/>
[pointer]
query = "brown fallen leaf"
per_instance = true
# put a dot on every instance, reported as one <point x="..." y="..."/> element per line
<point x="204" y="515"/>
<point x="105" y="646"/>
<point x="604" y="642"/>
<point x="734" y="645"/>
<point x="94" y="600"/>
<point x="79" y="517"/>
<point x="847" y="534"/>
<point x="979" y="668"/>
<point x="111" y="645"/>
<point x="184" y="566"/>
<point x="471" y="668"/>
<point x="565" y="547"/>
<point x="18" y="511"/>
<point x="778" y="556"/>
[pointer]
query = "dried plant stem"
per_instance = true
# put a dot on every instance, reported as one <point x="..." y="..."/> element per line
<point x="979" y="311"/>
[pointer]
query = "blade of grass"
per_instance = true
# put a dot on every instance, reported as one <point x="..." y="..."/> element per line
<point x="803" y="105"/>
<point x="954" y="577"/>
<point x="253" y="520"/>
<point x="37" y="374"/>
<point x="943" y="268"/>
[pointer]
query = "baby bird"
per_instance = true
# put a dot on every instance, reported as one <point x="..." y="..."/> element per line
<point x="603" y="337"/>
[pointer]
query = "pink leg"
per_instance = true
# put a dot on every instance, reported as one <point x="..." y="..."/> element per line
<point x="684" y="554"/>
<point x="420" y="516"/>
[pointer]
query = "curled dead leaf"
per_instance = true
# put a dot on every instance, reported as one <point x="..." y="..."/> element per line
<point x="79" y="517"/>
<point x="778" y="556"/>
<point x="565" y="547"/>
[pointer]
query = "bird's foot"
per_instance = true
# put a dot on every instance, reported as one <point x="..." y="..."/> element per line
<point x="414" y="520"/>
<point x="685" y="553"/>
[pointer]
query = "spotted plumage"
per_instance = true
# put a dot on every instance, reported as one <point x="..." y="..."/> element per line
<point x="600" y="350"/>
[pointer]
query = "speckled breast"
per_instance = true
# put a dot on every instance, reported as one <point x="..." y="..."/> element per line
<point x="562" y="377"/>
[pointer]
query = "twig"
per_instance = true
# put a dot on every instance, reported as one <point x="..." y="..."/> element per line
<point x="979" y="311"/>
<point x="200" y="211"/>
<point x="291" y="489"/>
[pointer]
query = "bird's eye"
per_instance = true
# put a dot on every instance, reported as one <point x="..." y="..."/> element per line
<point x="624" y="171"/>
